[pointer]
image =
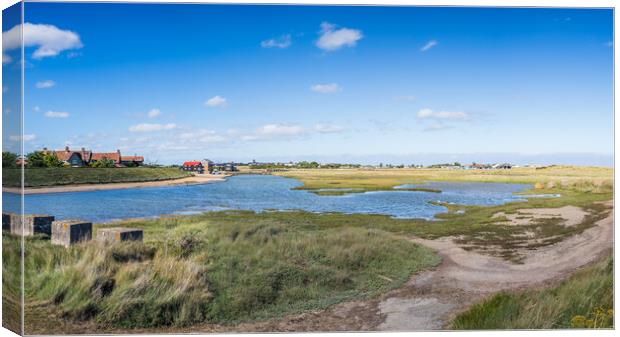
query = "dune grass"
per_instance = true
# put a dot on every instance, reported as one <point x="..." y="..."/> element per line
<point x="198" y="269"/>
<point x="583" y="300"/>
<point x="44" y="177"/>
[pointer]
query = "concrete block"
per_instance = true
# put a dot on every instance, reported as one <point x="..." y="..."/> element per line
<point x="70" y="232"/>
<point x="6" y="221"/>
<point x="33" y="224"/>
<point x="118" y="234"/>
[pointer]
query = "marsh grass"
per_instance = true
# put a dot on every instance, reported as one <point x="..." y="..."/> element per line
<point x="198" y="269"/>
<point x="579" y="298"/>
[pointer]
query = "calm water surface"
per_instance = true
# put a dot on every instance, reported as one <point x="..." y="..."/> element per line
<point x="258" y="193"/>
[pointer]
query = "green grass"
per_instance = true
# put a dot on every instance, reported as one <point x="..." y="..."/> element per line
<point x="345" y="191"/>
<point x="225" y="268"/>
<point x="588" y="293"/>
<point x="373" y="179"/>
<point x="44" y="177"/>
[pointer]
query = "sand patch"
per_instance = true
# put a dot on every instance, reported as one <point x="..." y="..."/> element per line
<point x="570" y="215"/>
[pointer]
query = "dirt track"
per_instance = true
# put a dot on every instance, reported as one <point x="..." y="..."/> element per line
<point x="432" y="298"/>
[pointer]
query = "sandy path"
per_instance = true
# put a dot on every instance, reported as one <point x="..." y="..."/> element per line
<point x="430" y="299"/>
<point x="197" y="179"/>
<point x="472" y="276"/>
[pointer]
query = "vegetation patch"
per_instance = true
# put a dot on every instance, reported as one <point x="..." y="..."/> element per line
<point x="224" y="268"/>
<point x="44" y="177"/>
<point x="585" y="300"/>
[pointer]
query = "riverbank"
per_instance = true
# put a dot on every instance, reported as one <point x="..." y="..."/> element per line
<point x="70" y="176"/>
<point x="191" y="180"/>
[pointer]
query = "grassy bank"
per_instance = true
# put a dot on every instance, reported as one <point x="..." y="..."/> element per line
<point x="42" y="177"/>
<point x="583" y="300"/>
<point x="221" y="268"/>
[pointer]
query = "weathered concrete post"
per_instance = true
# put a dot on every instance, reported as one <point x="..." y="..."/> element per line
<point x="6" y="221"/>
<point x="69" y="232"/>
<point x="118" y="234"/>
<point x="33" y="224"/>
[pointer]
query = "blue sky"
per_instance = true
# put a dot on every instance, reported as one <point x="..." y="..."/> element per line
<point x="361" y="84"/>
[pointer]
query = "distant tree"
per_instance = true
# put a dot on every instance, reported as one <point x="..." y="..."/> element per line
<point x="305" y="164"/>
<point x="50" y="160"/>
<point x="103" y="162"/>
<point x="9" y="159"/>
<point x="36" y="159"/>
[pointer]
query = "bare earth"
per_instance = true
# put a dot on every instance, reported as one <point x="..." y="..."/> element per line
<point x="571" y="215"/>
<point x="197" y="179"/>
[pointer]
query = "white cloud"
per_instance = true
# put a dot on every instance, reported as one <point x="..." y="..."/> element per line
<point x="216" y="101"/>
<point x="147" y="127"/>
<point x="203" y="136"/>
<point x="281" y="42"/>
<point x="45" y="84"/>
<point x="36" y="108"/>
<point x="154" y="113"/>
<point x="6" y="58"/>
<point x="328" y="88"/>
<point x="49" y="40"/>
<point x="430" y="44"/>
<point x="452" y="115"/>
<point x="332" y="39"/>
<point x="280" y="130"/>
<point x="56" y="114"/>
<point x="25" y="138"/>
<point x="327" y="128"/>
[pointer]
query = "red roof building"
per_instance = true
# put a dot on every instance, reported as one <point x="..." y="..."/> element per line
<point x="85" y="157"/>
<point x="195" y="166"/>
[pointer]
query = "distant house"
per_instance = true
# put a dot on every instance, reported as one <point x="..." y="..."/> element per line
<point x="504" y="166"/>
<point x="478" y="166"/>
<point x="193" y="166"/>
<point x="227" y="167"/>
<point x="85" y="157"/>
<point x="132" y="160"/>
<point x="21" y="161"/>
<point x="208" y="165"/>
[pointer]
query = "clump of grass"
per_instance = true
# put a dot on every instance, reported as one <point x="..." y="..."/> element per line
<point x="562" y="306"/>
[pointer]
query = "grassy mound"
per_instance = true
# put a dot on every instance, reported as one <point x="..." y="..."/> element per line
<point x="42" y="177"/>
<point x="196" y="269"/>
<point x="583" y="300"/>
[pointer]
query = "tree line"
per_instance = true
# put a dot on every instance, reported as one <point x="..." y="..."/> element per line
<point x="40" y="159"/>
